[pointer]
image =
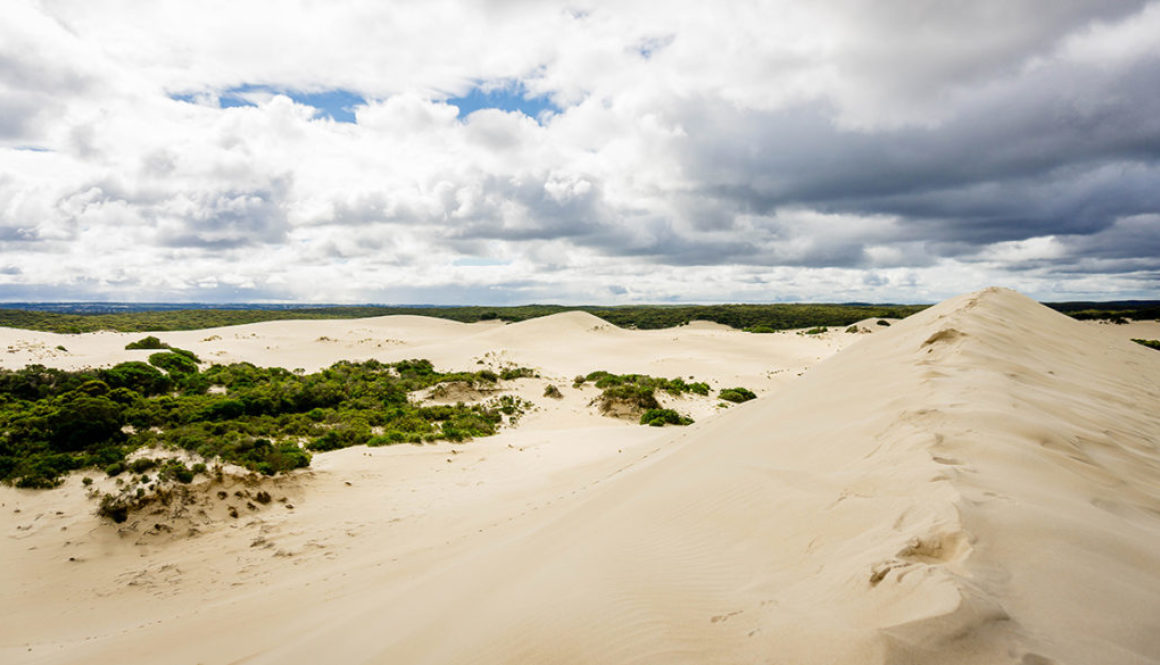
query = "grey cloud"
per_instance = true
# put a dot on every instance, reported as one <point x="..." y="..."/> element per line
<point x="234" y="219"/>
<point x="1066" y="150"/>
<point x="542" y="216"/>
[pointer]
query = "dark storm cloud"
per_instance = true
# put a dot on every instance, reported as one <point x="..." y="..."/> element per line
<point x="1063" y="150"/>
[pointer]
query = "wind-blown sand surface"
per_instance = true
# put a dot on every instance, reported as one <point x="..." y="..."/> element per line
<point x="979" y="483"/>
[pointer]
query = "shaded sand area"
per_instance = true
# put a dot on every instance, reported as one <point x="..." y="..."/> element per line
<point x="979" y="483"/>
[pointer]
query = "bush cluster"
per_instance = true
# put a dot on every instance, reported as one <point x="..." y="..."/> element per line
<point x="662" y="417"/>
<point x="149" y="342"/>
<point x="677" y="386"/>
<point x="638" y="392"/>
<point x="268" y="419"/>
<point x="737" y="395"/>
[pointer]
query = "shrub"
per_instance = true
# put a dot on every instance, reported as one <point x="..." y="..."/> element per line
<point x="149" y="342"/>
<point x="142" y="464"/>
<point x="115" y="507"/>
<point x="188" y="354"/>
<point x="817" y="331"/>
<point x="737" y="395"/>
<point x="1150" y="343"/>
<point x="883" y="322"/>
<point x="509" y="373"/>
<point x="175" y="470"/>
<point x="175" y="364"/>
<point x="662" y="417"/>
<point x="137" y="376"/>
<point x="630" y="394"/>
<point x="553" y="392"/>
<point x="84" y="421"/>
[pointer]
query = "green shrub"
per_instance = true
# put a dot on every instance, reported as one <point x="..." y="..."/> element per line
<point x="53" y="421"/>
<point x="188" y="354"/>
<point x="175" y="364"/>
<point x="631" y="394"/>
<point x="1150" y="343"/>
<point x="662" y="417"/>
<point x="149" y="342"/>
<point x="510" y="373"/>
<point x="137" y="376"/>
<point x="552" y="391"/>
<point x="737" y="395"/>
<point x="81" y="422"/>
<point x="142" y="464"/>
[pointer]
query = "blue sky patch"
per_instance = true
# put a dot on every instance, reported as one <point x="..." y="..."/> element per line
<point x="513" y="97"/>
<point x="338" y="105"/>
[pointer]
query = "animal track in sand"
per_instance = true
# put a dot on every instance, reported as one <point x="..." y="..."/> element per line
<point x="720" y="618"/>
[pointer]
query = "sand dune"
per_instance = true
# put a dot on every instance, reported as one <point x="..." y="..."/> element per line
<point x="979" y="483"/>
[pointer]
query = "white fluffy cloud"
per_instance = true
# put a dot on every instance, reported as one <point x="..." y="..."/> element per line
<point x="838" y="150"/>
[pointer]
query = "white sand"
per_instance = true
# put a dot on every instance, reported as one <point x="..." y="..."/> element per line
<point x="979" y="483"/>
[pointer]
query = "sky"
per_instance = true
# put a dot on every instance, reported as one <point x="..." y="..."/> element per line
<point x="518" y="151"/>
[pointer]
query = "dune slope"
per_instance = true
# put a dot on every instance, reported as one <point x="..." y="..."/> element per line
<point x="981" y="485"/>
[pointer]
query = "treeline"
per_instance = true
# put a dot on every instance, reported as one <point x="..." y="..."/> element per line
<point x="265" y="419"/>
<point x="773" y="317"/>
<point x="758" y="318"/>
<point x="1120" y="310"/>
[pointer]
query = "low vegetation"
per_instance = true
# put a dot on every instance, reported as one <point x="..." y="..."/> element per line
<point x="677" y="386"/>
<point x="626" y="395"/>
<point x="149" y="342"/>
<point x="1150" y="343"/>
<point x="265" y="419"/>
<point x="736" y="395"/>
<point x="662" y="417"/>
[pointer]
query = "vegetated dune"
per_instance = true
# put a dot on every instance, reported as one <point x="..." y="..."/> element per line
<point x="979" y="483"/>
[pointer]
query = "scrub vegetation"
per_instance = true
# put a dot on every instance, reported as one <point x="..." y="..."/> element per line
<point x="631" y="394"/>
<point x="265" y="419"/>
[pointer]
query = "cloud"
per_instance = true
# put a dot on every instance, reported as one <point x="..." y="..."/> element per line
<point x="529" y="151"/>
